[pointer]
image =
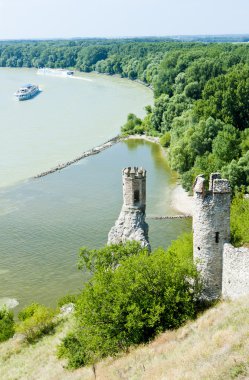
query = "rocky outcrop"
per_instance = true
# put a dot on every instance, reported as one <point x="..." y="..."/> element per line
<point x="130" y="225"/>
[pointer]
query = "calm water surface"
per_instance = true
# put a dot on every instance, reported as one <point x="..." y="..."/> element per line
<point x="44" y="222"/>
<point x="47" y="220"/>
<point x="69" y="116"/>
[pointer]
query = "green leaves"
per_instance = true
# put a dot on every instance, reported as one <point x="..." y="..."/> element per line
<point x="240" y="220"/>
<point x="6" y="324"/>
<point x="131" y="297"/>
<point x="35" y="321"/>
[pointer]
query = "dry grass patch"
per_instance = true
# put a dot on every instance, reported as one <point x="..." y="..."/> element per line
<point x="215" y="346"/>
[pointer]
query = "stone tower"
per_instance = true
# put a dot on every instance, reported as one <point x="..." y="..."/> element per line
<point x="211" y="227"/>
<point x="131" y="223"/>
<point x="134" y="189"/>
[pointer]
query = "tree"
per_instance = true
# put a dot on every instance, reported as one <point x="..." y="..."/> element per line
<point x="227" y="98"/>
<point x="226" y="144"/>
<point x="133" y="301"/>
<point x="6" y="324"/>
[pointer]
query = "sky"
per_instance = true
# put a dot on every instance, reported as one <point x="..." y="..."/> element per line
<point x="26" y="19"/>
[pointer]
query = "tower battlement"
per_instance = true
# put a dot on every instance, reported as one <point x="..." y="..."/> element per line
<point x="134" y="172"/>
<point x="217" y="185"/>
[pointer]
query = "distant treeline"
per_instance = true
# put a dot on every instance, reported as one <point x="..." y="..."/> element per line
<point x="135" y="59"/>
<point x="201" y="90"/>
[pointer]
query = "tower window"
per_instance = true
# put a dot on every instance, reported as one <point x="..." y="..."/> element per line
<point x="136" y="196"/>
<point x="217" y="237"/>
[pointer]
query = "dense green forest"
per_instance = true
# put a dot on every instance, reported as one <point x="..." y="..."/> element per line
<point x="201" y="89"/>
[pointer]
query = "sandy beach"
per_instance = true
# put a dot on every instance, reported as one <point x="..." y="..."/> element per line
<point x="152" y="139"/>
<point x="181" y="201"/>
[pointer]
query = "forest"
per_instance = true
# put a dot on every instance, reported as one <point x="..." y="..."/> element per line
<point x="201" y="94"/>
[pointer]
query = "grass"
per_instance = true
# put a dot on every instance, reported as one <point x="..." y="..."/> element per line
<point x="215" y="346"/>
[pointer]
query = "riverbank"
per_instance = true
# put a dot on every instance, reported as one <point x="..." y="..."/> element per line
<point x="152" y="139"/>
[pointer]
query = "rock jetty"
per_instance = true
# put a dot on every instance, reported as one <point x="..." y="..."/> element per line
<point x="88" y="153"/>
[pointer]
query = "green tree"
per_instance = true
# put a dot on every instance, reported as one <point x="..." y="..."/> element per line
<point x="132" y="126"/>
<point x="226" y="144"/>
<point x="131" y="303"/>
<point x="240" y="220"/>
<point x="6" y="324"/>
<point x="227" y="98"/>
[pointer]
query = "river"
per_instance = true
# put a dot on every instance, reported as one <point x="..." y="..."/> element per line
<point x="44" y="221"/>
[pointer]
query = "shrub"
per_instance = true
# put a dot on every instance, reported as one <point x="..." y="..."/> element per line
<point x="165" y="140"/>
<point x="68" y="298"/>
<point x="6" y="324"/>
<point x="132" y="126"/>
<point x="240" y="220"/>
<point x="144" y="295"/>
<point x="35" y="321"/>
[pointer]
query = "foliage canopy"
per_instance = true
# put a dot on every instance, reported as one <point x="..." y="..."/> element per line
<point x="130" y="299"/>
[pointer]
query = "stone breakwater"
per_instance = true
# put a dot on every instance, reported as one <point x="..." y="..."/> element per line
<point x="88" y="153"/>
<point x="96" y="150"/>
<point x="170" y="217"/>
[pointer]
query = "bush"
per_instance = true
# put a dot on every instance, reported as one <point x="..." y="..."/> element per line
<point x="165" y="140"/>
<point x="131" y="304"/>
<point x="35" y="321"/>
<point x="240" y="220"/>
<point x="68" y="298"/>
<point x="132" y="126"/>
<point x="6" y="324"/>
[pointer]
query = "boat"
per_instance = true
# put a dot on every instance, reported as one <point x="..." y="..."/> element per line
<point x="27" y="91"/>
<point x="56" y="72"/>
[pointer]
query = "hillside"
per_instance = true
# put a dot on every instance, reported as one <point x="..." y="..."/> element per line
<point x="215" y="346"/>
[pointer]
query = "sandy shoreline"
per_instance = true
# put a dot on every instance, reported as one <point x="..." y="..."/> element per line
<point x="181" y="201"/>
<point x="152" y="139"/>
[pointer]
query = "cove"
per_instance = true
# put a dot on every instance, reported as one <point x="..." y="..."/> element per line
<point x="45" y="221"/>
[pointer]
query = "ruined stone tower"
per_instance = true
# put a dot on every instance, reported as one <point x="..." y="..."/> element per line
<point x="211" y="227"/>
<point x="131" y="223"/>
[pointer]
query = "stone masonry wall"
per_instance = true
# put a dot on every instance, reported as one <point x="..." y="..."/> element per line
<point x="211" y="221"/>
<point x="235" y="281"/>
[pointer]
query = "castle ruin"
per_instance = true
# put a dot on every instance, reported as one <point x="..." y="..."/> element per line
<point x="131" y="223"/>
<point x="223" y="268"/>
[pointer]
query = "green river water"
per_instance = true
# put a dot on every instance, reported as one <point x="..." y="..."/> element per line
<point x="44" y="222"/>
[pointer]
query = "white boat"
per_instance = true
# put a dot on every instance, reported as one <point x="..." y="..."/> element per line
<point x="27" y="91"/>
<point x="56" y="72"/>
